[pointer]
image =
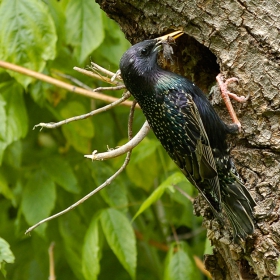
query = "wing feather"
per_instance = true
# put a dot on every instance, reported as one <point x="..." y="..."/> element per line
<point x="197" y="162"/>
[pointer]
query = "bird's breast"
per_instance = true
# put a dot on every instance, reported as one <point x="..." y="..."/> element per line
<point x="167" y="124"/>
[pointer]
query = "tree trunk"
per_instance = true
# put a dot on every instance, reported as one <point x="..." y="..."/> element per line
<point x="238" y="38"/>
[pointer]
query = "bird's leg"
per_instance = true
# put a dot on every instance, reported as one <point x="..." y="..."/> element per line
<point x="226" y="95"/>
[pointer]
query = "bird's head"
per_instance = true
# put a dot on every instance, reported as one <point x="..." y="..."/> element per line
<point x="141" y="59"/>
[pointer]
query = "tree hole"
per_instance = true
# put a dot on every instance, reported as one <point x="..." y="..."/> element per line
<point x="193" y="61"/>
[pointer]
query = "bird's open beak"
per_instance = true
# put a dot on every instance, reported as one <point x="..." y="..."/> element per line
<point x="174" y="35"/>
<point x="168" y="38"/>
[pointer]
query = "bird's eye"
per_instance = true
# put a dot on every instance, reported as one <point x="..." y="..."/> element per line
<point x="144" y="51"/>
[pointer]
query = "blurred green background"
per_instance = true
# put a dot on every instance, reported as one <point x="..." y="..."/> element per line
<point x="44" y="172"/>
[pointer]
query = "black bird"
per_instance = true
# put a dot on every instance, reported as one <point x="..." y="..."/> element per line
<point x="191" y="132"/>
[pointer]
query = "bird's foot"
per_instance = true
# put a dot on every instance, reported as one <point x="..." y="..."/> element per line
<point x="226" y="95"/>
<point x="241" y="99"/>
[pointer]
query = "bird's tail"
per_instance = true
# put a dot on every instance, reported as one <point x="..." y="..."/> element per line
<point x="238" y="205"/>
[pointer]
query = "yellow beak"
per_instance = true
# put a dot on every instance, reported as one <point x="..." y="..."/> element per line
<point x="174" y="35"/>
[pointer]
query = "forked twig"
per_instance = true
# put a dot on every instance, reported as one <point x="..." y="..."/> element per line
<point x="96" y="76"/>
<point x="82" y="117"/>
<point x="95" y="66"/>
<point x="74" y="80"/>
<point x="123" y="149"/>
<point x="61" y="84"/>
<point x="106" y="183"/>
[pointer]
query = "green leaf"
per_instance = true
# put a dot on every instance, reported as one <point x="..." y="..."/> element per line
<point x="179" y="264"/>
<point x="208" y="247"/>
<point x="13" y="154"/>
<point x="27" y="35"/>
<point x="5" y="252"/>
<point x="145" y="150"/>
<point x="84" y="27"/>
<point x="57" y="12"/>
<point x="16" y="123"/>
<point x="185" y="187"/>
<point x="77" y="133"/>
<point x="72" y="237"/>
<point x="114" y="44"/>
<point x="61" y="172"/>
<point x="173" y="179"/>
<point x="38" y="198"/>
<point x="6" y="255"/>
<point x="159" y="191"/>
<point x="91" y="251"/>
<point x="144" y="155"/>
<point x="278" y="267"/>
<point x="120" y="237"/>
<point x="4" y="187"/>
<point x="2" y="118"/>
<point x="115" y="193"/>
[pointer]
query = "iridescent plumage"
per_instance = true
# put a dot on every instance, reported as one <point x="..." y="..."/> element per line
<point x="191" y="132"/>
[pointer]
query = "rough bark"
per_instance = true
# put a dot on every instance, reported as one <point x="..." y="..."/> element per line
<point x="239" y="38"/>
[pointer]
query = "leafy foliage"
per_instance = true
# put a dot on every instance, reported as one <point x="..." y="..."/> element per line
<point x="179" y="264"/>
<point x="18" y="44"/>
<point x="6" y="256"/>
<point x="43" y="172"/>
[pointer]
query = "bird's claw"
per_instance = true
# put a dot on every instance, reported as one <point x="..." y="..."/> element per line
<point x="240" y="99"/>
<point x="230" y="80"/>
<point x="226" y="95"/>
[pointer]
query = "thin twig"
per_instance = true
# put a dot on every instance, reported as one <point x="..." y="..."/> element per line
<point x="106" y="183"/>
<point x="75" y="81"/>
<point x="81" y="117"/>
<point x="53" y="81"/>
<point x="95" y="66"/>
<point x="51" y="259"/>
<point x="161" y="246"/>
<point x="175" y="235"/>
<point x="165" y="248"/>
<point x="185" y="236"/>
<point x="123" y="149"/>
<point x="96" y="76"/>
<point x="199" y="263"/>
<point x="109" y="88"/>
<point x="184" y="194"/>
<point x="130" y="120"/>
<point x="117" y="75"/>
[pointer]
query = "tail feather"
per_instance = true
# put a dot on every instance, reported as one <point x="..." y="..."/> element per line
<point x="238" y="205"/>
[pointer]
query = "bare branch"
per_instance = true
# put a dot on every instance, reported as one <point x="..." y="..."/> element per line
<point x="123" y="149"/>
<point x="184" y="194"/>
<point x="110" y="88"/>
<point x="201" y="267"/>
<point x="116" y="76"/>
<point x="75" y="81"/>
<point x="95" y="66"/>
<point x="130" y="120"/>
<point x="81" y="117"/>
<point x="106" y="183"/>
<point x="53" y="81"/>
<point x="96" y="76"/>
<point x="51" y="259"/>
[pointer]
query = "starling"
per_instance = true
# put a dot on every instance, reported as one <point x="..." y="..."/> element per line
<point x="189" y="129"/>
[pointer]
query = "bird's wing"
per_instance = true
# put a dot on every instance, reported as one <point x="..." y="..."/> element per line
<point x="197" y="162"/>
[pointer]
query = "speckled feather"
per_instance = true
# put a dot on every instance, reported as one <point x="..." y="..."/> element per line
<point x="191" y="132"/>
